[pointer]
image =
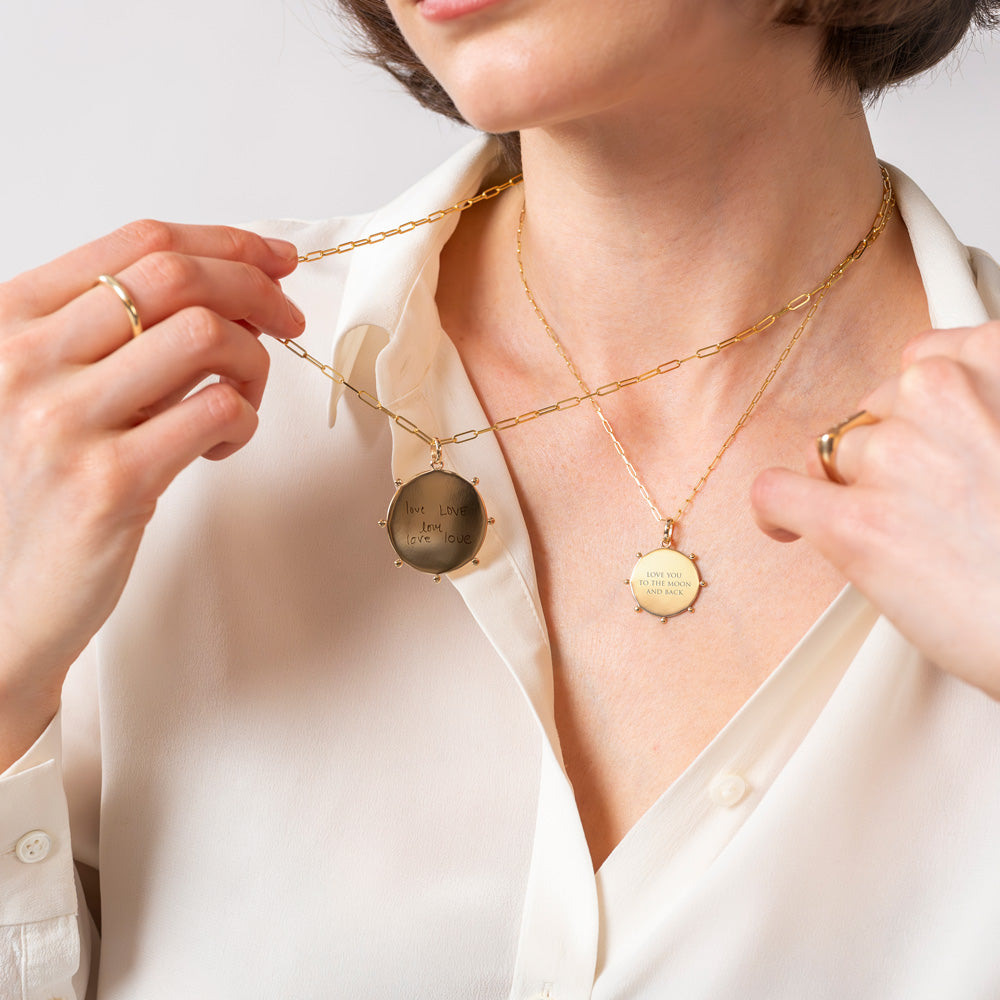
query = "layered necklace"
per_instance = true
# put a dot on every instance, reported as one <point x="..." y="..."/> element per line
<point x="437" y="521"/>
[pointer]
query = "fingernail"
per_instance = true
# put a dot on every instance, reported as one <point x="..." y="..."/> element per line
<point x="296" y="312"/>
<point x="282" y="248"/>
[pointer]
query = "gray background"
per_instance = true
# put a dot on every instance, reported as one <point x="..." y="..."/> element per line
<point x="231" y="110"/>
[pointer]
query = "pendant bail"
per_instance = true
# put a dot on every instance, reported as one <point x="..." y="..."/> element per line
<point x="436" y="463"/>
<point x="668" y="534"/>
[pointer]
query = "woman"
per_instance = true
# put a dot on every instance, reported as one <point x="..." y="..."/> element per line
<point x="302" y="771"/>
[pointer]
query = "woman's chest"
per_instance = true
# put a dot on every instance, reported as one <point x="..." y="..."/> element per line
<point x="637" y="698"/>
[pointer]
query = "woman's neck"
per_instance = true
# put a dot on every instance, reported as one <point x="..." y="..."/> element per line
<point x="656" y="228"/>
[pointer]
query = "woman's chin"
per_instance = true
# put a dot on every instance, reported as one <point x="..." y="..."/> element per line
<point x="512" y="107"/>
<point x="491" y="115"/>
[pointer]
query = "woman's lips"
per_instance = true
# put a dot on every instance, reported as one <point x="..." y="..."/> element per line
<point x="447" y="10"/>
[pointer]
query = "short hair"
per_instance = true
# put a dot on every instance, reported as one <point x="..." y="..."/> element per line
<point x="869" y="44"/>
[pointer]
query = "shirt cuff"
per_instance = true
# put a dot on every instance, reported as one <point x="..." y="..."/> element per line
<point x="36" y="859"/>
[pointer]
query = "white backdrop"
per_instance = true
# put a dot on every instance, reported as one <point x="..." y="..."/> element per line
<point x="231" y="110"/>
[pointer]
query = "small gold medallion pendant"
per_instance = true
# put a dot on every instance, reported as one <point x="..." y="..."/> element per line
<point x="437" y="521"/>
<point x="665" y="582"/>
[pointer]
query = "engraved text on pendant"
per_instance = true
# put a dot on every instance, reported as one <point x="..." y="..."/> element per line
<point x="665" y="582"/>
<point x="437" y="522"/>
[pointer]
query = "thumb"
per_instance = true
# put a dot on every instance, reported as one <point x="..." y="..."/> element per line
<point x="788" y="505"/>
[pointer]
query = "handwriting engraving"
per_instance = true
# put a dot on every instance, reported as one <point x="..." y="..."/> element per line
<point x="437" y="522"/>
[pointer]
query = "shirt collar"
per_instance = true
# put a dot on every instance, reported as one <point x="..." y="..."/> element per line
<point x="945" y="264"/>
<point x="380" y="278"/>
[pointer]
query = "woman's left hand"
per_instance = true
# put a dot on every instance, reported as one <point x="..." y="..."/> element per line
<point x="917" y="527"/>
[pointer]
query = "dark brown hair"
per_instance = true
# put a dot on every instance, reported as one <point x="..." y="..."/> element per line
<point x="870" y="44"/>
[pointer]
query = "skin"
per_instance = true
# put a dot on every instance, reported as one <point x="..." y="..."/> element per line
<point x="684" y="176"/>
<point x="922" y="504"/>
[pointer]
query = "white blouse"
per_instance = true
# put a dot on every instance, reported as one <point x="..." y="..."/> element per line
<point x="304" y="773"/>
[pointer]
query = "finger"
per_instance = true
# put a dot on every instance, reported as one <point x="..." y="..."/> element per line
<point x="893" y="453"/>
<point x="851" y="444"/>
<point x="847" y="456"/>
<point x="847" y="525"/>
<point x="940" y="395"/>
<point x="977" y="344"/>
<point x="251" y="392"/>
<point x="96" y="323"/>
<point x="788" y="505"/>
<point x="975" y="351"/>
<point x="156" y="369"/>
<point x="215" y="422"/>
<point x="927" y="343"/>
<point x="948" y="398"/>
<point x="181" y="391"/>
<point x="50" y="287"/>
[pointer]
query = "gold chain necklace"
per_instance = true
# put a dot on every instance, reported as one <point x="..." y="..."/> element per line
<point x="437" y="520"/>
<point x="665" y="582"/>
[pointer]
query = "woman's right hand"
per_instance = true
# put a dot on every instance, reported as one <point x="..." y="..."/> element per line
<point x="95" y="424"/>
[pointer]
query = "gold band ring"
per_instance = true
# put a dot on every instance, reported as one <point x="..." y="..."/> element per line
<point x="827" y="443"/>
<point x="133" y="313"/>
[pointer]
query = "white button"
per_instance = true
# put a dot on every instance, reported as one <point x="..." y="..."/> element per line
<point x="33" y="847"/>
<point x="728" y="790"/>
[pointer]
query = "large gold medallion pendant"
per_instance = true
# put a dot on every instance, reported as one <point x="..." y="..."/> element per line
<point x="437" y="522"/>
<point x="665" y="582"/>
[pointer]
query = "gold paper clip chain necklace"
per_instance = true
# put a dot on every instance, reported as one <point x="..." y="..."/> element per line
<point x="664" y="581"/>
<point x="459" y="534"/>
<point x="570" y="401"/>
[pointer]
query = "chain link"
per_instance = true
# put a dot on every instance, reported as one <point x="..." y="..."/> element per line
<point x="406" y="227"/>
<point x="814" y="297"/>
